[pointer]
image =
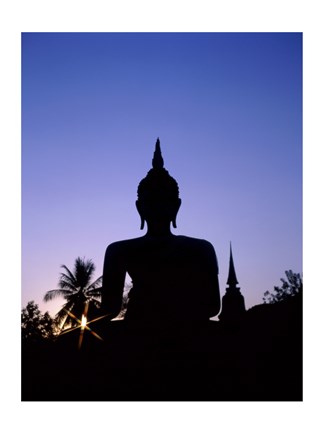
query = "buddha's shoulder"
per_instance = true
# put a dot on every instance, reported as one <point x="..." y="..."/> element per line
<point x="195" y="242"/>
<point x="180" y="240"/>
<point x="125" y="244"/>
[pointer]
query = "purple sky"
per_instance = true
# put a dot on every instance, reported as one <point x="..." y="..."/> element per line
<point x="228" y="111"/>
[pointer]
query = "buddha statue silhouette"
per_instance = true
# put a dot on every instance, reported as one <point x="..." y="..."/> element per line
<point x="174" y="277"/>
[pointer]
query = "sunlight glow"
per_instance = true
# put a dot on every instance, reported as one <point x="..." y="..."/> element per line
<point x="83" y="322"/>
<point x="83" y="325"/>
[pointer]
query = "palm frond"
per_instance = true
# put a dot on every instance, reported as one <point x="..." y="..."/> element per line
<point x="96" y="284"/>
<point x="97" y="293"/>
<point x="96" y="303"/>
<point x="66" y="283"/>
<point x="63" y="316"/>
<point x="83" y="271"/>
<point x="94" y="291"/>
<point x="69" y="273"/>
<point x="52" y="294"/>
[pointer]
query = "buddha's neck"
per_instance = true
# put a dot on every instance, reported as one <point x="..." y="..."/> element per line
<point x="159" y="230"/>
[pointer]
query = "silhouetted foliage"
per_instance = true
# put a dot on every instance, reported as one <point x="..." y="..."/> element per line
<point x="76" y="287"/>
<point x="36" y="326"/>
<point x="291" y="287"/>
<point x="125" y="299"/>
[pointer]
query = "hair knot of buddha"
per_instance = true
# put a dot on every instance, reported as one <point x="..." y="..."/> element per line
<point x="158" y="181"/>
<point x="157" y="161"/>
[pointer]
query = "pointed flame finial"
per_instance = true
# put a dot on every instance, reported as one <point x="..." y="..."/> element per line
<point x="157" y="161"/>
<point x="232" y="280"/>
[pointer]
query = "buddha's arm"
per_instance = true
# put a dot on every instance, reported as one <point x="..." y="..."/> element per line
<point x="215" y="298"/>
<point x="113" y="280"/>
<point x="212" y="280"/>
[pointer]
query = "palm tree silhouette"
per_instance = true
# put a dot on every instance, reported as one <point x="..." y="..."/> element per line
<point x="76" y="287"/>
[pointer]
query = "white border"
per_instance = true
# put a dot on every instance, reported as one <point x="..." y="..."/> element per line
<point x="24" y="16"/>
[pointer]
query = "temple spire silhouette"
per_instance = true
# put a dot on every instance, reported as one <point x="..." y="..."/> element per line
<point x="233" y="304"/>
<point x="232" y="279"/>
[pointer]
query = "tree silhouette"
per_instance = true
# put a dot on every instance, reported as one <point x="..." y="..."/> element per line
<point x="76" y="287"/>
<point x="36" y="326"/>
<point x="291" y="287"/>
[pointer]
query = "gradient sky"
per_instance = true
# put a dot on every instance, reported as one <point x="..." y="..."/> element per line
<point x="227" y="108"/>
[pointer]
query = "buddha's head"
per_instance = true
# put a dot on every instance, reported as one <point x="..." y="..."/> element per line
<point x="158" y="194"/>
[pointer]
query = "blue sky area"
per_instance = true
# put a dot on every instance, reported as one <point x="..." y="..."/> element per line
<point x="227" y="108"/>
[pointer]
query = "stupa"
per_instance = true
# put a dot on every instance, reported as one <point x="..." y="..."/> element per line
<point x="233" y="304"/>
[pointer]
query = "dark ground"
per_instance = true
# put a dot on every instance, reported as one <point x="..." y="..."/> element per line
<point x="256" y="359"/>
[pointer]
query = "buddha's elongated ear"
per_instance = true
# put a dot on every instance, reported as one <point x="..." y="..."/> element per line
<point x="174" y="220"/>
<point x="139" y="209"/>
<point x="142" y="223"/>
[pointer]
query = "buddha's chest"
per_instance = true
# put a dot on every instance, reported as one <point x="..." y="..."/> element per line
<point x="163" y="263"/>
